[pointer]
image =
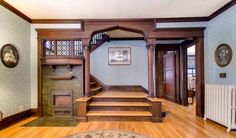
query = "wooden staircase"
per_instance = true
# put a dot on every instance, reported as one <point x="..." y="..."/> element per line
<point x="99" y="39"/>
<point x="94" y="88"/>
<point x="120" y="106"/>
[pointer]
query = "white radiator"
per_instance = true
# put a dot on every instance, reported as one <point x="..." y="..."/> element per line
<point x="220" y="104"/>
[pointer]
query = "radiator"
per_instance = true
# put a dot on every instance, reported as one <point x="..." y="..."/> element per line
<point x="220" y="104"/>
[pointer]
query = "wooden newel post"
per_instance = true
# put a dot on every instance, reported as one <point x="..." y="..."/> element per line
<point x="150" y="47"/>
<point x="87" y="67"/>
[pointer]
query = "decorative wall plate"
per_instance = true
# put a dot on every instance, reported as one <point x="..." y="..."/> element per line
<point x="223" y="55"/>
<point x="9" y="56"/>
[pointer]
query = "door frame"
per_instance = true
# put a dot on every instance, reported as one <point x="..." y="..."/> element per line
<point x="199" y="63"/>
<point x="169" y="47"/>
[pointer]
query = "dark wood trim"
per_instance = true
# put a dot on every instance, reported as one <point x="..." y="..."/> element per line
<point x="177" y="33"/>
<point x="187" y="43"/>
<point x="183" y="76"/>
<point x="56" y="21"/>
<point x="150" y="50"/>
<point x="222" y="9"/>
<point x="13" y="119"/>
<point x="124" y="39"/>
<point x="121" y="20"/>
<point x="156" y="72"/>
<point x="200" y="82"/>
<point x="177" y="75"/>
<point x="40" y="79"/>
<point x="34" y="112"/>
<point x="14" y="10"/>
<point x="130" y="29"/>
<point x="167" y="47"/>
<point x="182" y="19"/>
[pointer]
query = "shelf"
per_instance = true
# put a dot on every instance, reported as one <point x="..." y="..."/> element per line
<point x="65" y="77"/>
<point x="62" y="61"/>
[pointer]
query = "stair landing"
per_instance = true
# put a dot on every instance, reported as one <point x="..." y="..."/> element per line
<point x="120" y="94"/>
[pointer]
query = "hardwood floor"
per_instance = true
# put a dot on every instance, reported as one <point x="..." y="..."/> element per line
<point x="180" y="122"/>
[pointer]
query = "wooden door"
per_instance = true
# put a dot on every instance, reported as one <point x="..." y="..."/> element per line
<point x="169" y="68"/>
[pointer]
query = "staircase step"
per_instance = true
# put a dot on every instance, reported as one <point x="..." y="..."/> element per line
<point x="92" y="83"/>
<point x="121" y="95"/>
<point x="119" y="113"/>
<point x="119" y="104"/>
<point x="94" y="89"/>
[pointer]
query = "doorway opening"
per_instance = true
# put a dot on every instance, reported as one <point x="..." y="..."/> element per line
<point x="191" y="77"/>
<point x="178" y="73"/>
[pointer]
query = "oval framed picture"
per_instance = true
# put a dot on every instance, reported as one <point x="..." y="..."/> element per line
<point x="9" y="55"/>
<point x="223" y="55"/>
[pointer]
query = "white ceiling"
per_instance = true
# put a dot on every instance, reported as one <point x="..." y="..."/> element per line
<point x="98" y="9"/>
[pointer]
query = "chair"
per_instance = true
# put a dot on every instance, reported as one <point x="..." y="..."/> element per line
<point x="192" y="88"/>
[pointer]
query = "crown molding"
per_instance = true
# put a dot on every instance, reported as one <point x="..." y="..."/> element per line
<point x="157" y="20"/>
<point x="182" y="19"/>
<point x="56" y="21"/>
<point x="222" y="9"/>
<point x="14" y="10"/>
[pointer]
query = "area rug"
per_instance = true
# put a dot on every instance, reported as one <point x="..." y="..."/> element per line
<point x="50" y="121"/>
<point x="106" y="134"/>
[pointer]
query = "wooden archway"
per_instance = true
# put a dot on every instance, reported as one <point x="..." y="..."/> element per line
<point x="145" y="26"/>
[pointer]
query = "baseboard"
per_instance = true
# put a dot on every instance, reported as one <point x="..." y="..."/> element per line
<point x="13" y="119"/>
<point x="34" y="112"/>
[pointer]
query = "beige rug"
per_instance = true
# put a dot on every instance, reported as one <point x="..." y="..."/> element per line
<point x="106" y="134"/>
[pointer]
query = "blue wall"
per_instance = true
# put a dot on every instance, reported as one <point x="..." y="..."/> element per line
<point x="134" y="74"/>
<point x="222" y="29"/>
<point x="15" y="88"/>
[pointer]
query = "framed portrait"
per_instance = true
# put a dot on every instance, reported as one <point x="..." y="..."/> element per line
<point x="9" y="56"/>
<point x="119" y="56"/>
<point x="223" y="55"/>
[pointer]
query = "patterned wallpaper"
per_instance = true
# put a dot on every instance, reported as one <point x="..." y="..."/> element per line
<point x="15" y="83"/>
<point x="220" y="30"/>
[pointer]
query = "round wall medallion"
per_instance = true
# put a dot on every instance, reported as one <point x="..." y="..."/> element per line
<point x="223" y="55"/>
<point x="9" y="56"/>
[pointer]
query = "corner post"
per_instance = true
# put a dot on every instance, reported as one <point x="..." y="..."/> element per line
<point x="87" y="66"/>
<point x="150" y="47"/>
<point x="200" y="87"/>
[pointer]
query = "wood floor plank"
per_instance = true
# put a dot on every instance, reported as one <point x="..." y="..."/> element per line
<point x="180" y="122"/>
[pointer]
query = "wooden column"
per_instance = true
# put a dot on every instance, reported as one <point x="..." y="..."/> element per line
<point x="87" y="67"/>
<point x="150" y="47"/>
<point x="183" y="75"/>
<point x="199" y="48"/>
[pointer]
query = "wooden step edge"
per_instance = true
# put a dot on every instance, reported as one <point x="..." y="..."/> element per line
<point x="119" y="104"/>
<point x="95" y="89"/>
<point x="118" y="97"/>
<point x="119" y="113"/>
